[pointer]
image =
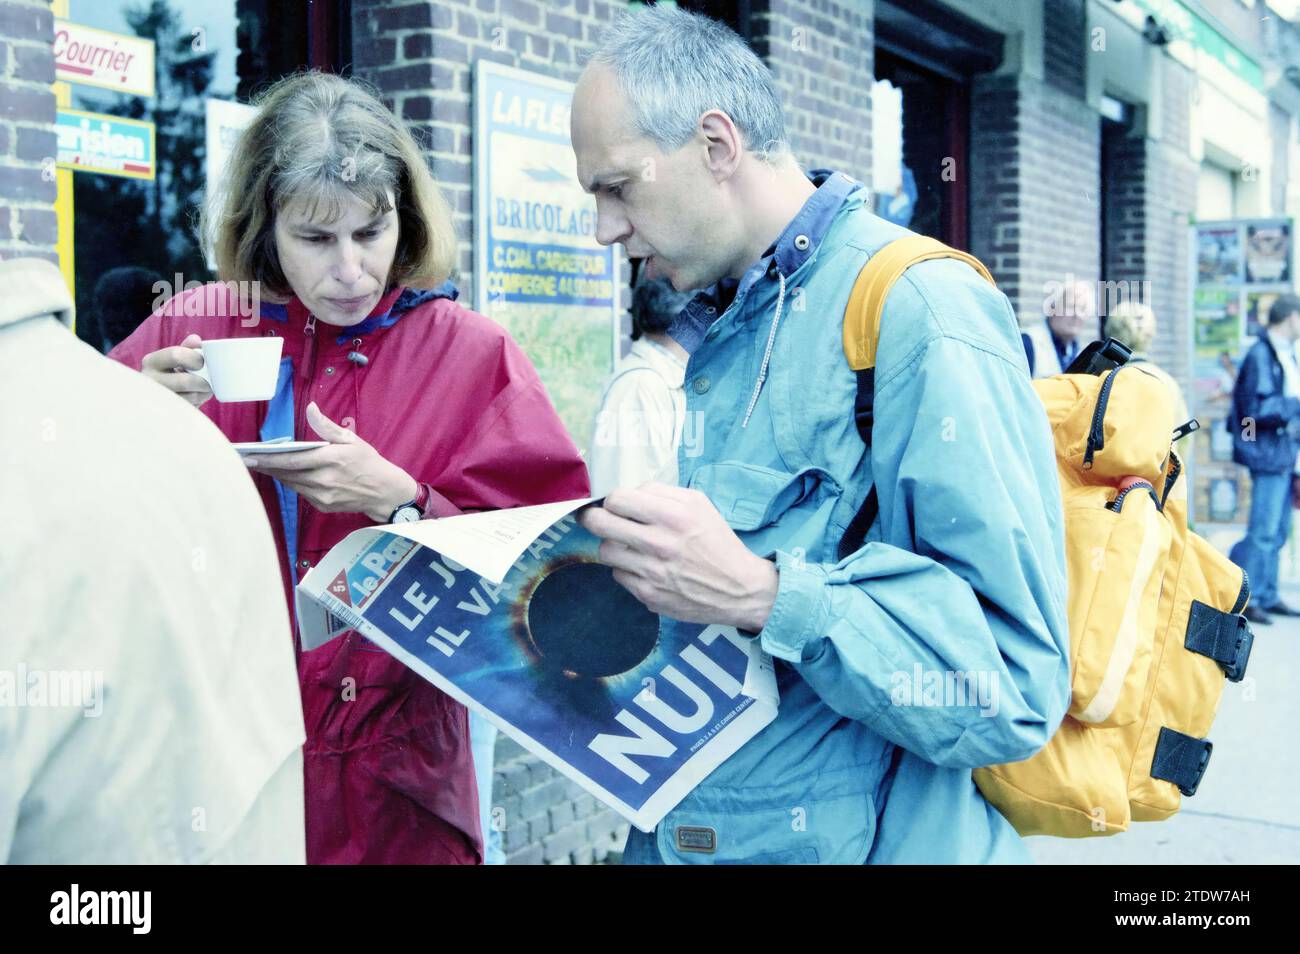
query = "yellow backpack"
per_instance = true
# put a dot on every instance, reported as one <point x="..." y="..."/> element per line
<point x="1154" y="610"/>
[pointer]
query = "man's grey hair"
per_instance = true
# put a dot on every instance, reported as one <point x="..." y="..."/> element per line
<point x="674" y="66"/>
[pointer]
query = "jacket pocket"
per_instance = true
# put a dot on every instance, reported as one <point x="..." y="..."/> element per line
<point x="824" y="819"/>
<point x="1116" y="561"/>
<point x="751" y="497"/>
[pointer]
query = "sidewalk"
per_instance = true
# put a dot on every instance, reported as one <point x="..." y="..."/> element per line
<point x="1247" y="809"/>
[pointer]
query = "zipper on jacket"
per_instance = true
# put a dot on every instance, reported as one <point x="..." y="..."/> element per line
<point x="300" y="416"/>
<point x="1118" y="503"/>
<point x="1097" y="436"/>
<point x="309" y="369"/>
<point x="1174" y="471"/>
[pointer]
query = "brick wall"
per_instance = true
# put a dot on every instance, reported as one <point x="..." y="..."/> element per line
<point x="1124" y="192"/>
<point x="1151" y="192"/>
<point x="1170" y="207"/>
<point x="547" y="819"/>
<point x="821" y="55"/>
<point x="27" y="188"/>
<point x="1065" y="55"/>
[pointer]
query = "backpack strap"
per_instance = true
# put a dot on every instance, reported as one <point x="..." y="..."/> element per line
<point x="862" y="333"/>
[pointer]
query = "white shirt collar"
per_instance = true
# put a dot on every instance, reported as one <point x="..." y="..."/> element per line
<point x="664" y="361"/>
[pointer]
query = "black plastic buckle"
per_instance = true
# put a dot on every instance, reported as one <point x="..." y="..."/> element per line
<point x="1099" y="357"/>
<point x="1202" y="761"/>
<point x="1224" y="637"/>
<point x="1235" y="669"/>
<point x="1181" y="759"/>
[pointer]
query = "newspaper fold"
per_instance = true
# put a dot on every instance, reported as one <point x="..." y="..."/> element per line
<point x="511" y="614"/>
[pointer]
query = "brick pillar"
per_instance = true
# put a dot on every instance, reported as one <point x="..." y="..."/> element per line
<point x="1170" y="205"/>
<point x="995" y="195"/>
<point x="1035" y="169"/>
<point x="1151" y="196"/>
<point x="27" y="142"/>
<point x="821" y="54"/>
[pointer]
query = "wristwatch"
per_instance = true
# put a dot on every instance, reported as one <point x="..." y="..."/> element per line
<point x="412" y="510"/>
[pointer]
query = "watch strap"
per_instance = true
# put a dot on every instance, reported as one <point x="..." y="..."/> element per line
<point x="423" y="498"/>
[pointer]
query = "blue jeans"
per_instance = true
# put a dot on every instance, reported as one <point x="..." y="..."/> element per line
<point x="483" y="743"/>
<point x="1270" y="525"/>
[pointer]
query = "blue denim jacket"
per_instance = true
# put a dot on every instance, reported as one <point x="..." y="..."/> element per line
<point x="1259" y="396"/>
<point x="941" y="644"/>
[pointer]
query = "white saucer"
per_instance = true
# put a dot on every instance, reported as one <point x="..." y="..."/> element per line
<point x="277" y="447"/>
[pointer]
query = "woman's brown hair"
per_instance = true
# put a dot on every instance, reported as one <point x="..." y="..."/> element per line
<point x="318" y="137"/>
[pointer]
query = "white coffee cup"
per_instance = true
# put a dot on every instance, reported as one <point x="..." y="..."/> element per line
<point x="241" y="369"/>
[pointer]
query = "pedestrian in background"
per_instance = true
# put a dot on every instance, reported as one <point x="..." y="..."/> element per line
<point x="1069" y="322"/>
<point x="123" y="298"/>
<point x="1133" y="324"/>
<point x="643" y="409"/>
<point x="1265" y="425"/>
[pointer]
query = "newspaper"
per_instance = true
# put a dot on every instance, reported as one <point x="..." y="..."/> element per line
<point x="511" y="614"/>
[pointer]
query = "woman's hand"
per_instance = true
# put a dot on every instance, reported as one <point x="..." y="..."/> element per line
<point x="171" y="368"/>
<point x="348" y="476"/>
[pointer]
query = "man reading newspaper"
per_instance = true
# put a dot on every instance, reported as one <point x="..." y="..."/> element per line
<point x="679" y="134"/>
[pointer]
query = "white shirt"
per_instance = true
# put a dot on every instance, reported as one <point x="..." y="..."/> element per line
<point x="1286" y="356"/>
<point x="149" y="701"/>
<point x="640" y="421"/>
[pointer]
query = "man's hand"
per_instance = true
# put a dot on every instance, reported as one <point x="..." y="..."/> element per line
<point x="349" y="476"/>
<point x="673" y="551"/>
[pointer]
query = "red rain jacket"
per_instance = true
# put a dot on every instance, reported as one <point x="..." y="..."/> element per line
<point x="447" y="396"/>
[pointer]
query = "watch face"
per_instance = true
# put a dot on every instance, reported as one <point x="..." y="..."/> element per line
<point x="406" y="515"/>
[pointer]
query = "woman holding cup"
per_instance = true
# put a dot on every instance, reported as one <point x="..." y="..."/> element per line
<point x="428" y="409"/>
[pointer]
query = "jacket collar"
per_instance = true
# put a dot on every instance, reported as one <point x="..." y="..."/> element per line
<point x="792" y="248"/>
<point x="806" y="230"/>
<point x="395" y="303"/>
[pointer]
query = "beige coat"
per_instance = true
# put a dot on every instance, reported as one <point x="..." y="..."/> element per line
<point x="149" y="705"/>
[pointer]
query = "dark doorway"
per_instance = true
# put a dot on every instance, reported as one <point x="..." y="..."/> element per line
<point x="931" y="134"/>
<point x="925" y="59"/>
